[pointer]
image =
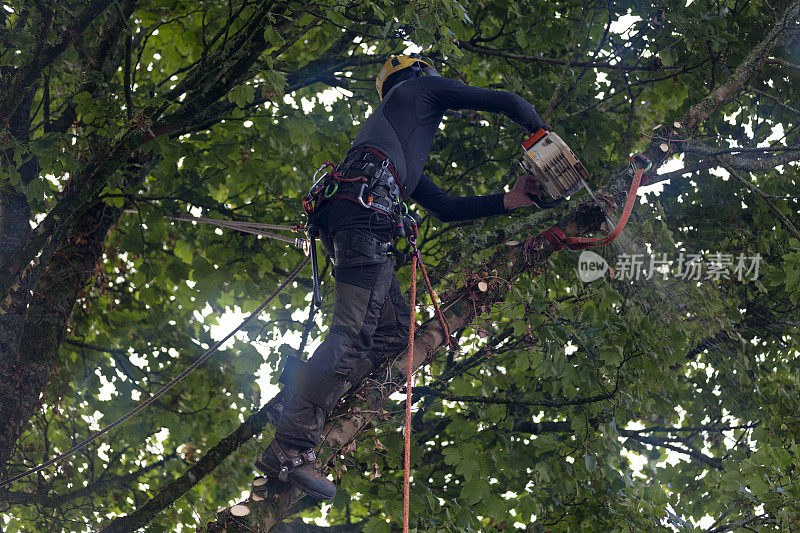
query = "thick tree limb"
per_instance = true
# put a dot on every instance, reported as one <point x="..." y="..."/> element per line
<point x="47" y="499"/>
<point x="507" y="264"/>
<point x="165" y="497"/>
<point x="25" y="370"/>
<point x="478" y="49"/>
<point x="512" y="401"/>
<point x="206" y="85"/>
<point x="744" y="163"/>
<point x="713" y="462"/>
<point x="754" y="60"/>
<point x="776" y="100"/>
<point x="784" y="63"/>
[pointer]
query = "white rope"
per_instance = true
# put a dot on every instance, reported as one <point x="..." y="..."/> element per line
<point x="254" y="228"/>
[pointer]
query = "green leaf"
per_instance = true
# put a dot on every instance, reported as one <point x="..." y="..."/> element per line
<point x="272" y="36"/>
<point x="241" y="95"/>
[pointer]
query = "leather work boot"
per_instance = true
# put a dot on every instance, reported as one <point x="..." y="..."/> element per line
<point x="294" y="466"/>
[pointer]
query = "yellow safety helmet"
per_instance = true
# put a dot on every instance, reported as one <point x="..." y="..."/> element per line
<point x="398" y="63"/>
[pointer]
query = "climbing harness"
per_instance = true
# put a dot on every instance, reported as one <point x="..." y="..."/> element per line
<point x="639" y="165"/>
<point x="365" y="177"/>
<point x="156" y="395"/>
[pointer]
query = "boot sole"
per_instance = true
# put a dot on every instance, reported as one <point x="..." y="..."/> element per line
<point x="272" y="472"/>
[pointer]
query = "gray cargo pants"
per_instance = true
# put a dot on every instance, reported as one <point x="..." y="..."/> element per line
<point x="371" y="320"/>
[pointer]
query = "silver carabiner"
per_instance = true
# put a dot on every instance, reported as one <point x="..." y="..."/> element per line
<point x="314" y="177"/>
<point x="361" y="196"/>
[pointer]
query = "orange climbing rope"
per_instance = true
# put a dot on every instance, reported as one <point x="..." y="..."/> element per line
<point x="448" y="340"/>
<point x="416" y="259"/>
<point x="552" y="234"/>
<point x="409" y="384"/>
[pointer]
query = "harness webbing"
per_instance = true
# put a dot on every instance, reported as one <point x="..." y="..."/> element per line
<point x="156" y="395"/>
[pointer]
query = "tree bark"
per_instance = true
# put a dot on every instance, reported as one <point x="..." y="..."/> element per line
<point x="507" y="264"/>
<point x="27" y="74"/>
<point x="24" y="371"/>
<point x="41" y="275"/>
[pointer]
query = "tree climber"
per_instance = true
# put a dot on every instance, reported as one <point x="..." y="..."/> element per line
<point x="358" y="221"/>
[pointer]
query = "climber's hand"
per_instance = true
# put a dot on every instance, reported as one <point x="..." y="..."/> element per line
<point x="525" y="193"/>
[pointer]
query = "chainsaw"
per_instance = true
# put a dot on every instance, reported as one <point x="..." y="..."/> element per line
<point x="555" y="167"/>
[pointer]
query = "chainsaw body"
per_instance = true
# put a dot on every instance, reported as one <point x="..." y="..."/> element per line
<point x="554" y="165"/>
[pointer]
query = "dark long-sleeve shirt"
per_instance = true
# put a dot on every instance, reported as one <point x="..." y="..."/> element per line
<point x="452" y="208"/>
<point x="403" y="125"/>
<point x="402" y="128"/>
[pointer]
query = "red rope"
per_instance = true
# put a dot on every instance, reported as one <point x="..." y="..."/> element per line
<point x="409" y="384"/>
<point x="448" y="341"/>
<point x="559" y="240"/>
<point x="416" y="259"/>
<point x="552" y="234"/>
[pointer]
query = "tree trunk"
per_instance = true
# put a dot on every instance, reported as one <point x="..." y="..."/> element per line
<point x="507" y="264"/>
<point x="39" y="331"/>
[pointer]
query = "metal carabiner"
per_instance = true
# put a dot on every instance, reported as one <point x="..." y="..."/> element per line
<point x="646" y="160"/>
<point x="314" y="177"/>
<point x="361" y="196"/>
<point x="303" y="244"/>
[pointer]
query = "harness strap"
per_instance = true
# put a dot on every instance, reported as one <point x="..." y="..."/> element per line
<point x="290" y="462"/>
<point x="352" y="157"/>
<point x="560" y="240"/>
<point x="366" y="177"/>
<point x="352" y="248"/>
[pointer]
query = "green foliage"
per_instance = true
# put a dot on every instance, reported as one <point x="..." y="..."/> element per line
<point x="658" y="355"/>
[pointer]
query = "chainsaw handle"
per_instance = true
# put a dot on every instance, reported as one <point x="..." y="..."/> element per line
<point x="541" y="203"/>
<point x="533" y="138"/>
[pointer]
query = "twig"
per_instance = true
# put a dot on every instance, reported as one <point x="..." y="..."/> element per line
<point x="765" y="197"/>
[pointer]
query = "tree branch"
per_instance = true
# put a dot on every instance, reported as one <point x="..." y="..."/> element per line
<point x="29" y="72"/>
<point x="507" y="263"/>
<point x="168" y="494"/>
<point x="478" y="49"/>
<point x="786" y="222"/>
<point x="44" y="498"/>
<point x="513" y="401"/>
<point x="744" y="163"/>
